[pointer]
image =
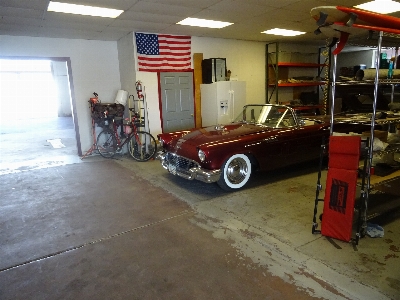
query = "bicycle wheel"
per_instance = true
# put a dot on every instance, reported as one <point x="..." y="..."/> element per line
<point x="106" y="143"/>
<point x="142" y="146"/>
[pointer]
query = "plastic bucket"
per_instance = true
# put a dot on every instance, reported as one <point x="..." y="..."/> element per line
<point x="122" y="97"/>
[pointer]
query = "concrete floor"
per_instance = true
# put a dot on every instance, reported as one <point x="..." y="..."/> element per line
<point x="119" y="229"/>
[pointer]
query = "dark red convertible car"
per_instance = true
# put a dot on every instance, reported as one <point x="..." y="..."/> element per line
<point x="264" y="137"/>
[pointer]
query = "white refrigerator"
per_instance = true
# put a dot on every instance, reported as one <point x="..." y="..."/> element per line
<point x="222" y="101"/>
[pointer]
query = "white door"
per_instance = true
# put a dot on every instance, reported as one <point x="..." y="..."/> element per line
<point x="177" y="101"/>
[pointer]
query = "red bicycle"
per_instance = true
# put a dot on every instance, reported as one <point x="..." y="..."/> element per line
<point x="142" y="145"/>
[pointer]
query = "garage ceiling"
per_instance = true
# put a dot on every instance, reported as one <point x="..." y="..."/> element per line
<point x="250" y="18"/>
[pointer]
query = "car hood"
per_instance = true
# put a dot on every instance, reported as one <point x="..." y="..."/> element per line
<point x="219" y="134"/>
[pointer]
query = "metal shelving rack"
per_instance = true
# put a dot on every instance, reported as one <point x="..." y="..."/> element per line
<point x="272" y="82"/>
<point x="325" y="51"/>
<point x="366" y="185"/>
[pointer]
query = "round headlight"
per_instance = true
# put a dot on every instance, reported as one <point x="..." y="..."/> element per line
<point x="201" y="155"/>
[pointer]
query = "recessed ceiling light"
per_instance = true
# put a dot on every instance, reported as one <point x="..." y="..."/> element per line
<point x="380" y="6"/>
<point x="203" y="23"/>
<point x="284" y="32"/>
<point x="84" y="10"/>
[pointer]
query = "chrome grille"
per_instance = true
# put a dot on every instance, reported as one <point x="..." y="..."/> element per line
<point x="182" y="164"/>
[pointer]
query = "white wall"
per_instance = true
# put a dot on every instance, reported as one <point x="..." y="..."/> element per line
<point x="351" y="59"/>
<point x="150" y="90"/>
<point x="60" y="76"/>
<point x="126" y="53"/>
<point x="245" y="59"/>
<point x="94" y="69"/>
<point x="366" y="56"/>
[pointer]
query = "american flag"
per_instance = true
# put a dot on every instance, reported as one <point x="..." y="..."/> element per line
<point x="163" y="52"/>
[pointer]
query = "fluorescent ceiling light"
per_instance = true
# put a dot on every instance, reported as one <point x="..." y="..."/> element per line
<point x="380" y="6"/>
<point x="83" y="10"/>
<point x="284" y="32"/>
<point x="203" y="23"/>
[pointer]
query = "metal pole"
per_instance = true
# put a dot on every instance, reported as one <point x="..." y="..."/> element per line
<point x="266" y="73"/>
<point x="277" y="73"/>
<point x="394" y="67"/>
<point x="371" y="142"/>
<point x="377" y="63"/>
<point x="333" y="90"/>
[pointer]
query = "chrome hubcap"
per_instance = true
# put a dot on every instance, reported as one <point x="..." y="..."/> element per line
<point x="236" y="171"/>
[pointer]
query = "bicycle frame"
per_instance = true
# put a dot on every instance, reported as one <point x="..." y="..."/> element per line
<point x="141" y="144"/>
<point x="133" y="132"/>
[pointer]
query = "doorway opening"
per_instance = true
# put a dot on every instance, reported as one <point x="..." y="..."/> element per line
<point x="28" y="90"/>
<point x="36" y="123"/>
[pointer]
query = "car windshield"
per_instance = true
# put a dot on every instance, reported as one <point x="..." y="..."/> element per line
<point x="271" y="115"/>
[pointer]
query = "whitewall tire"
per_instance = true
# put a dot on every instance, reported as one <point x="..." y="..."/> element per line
<point x="235" y="172"/>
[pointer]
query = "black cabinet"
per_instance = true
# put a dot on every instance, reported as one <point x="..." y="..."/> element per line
<point x="214" y="69"/>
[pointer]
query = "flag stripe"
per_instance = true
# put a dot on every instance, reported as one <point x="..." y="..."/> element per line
<point x="177" y="37"/>
<point x="174" y="54"/>
<point x="172" y="58"/>
<point x="163" y="52"/>
<point x="165" y="64"/>
<point x="183" y="49"/>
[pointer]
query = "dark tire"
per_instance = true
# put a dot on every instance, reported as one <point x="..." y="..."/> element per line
<point x="106" y="143"/>
<point x="235" y="172"/>
<point x="142" y="146"/>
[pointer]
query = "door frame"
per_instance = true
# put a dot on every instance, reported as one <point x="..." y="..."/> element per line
<point x="159" y="95"/>
<point x="71" y="87"/>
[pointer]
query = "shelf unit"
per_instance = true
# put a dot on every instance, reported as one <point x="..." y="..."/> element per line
<point x="278" y="70"/>
<point x="369" y="82"/>
<point x="368" y="181"/>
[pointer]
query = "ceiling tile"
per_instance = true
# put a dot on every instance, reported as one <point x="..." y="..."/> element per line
<point x="281" y="14"/>
<point x="29" y="4"/>
<point x="20" y="29"/>
<point x="113" y="34"/>
<point x="16" y="21"/>
<point x="77" y="19"/>
<point x="250" y="17"/>
<point x="163" y="9"/>
<point x="73" y="25"/>
<point x="63" y="33"/>
<point x="238" y="6"/>
<point x="149" y="17"/>
<point x="348" y="3"/>
<point x="229" y="16"/>
<point x="115" y="4"/>
<point x="138" y="25"/>
<point x="303" y="7"/>
<point x="189" y="30"/>
<point x="232" y="16"/>
<point x="187" y="3"/>
<point x="281" y="3"/>
<point x="21" y="12"/>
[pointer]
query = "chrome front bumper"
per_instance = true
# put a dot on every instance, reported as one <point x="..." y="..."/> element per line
<point x="186" y="168"/>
